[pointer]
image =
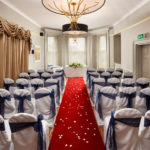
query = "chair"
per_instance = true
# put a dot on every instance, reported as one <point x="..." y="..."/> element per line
<point x="101" y="70"/>
<point x="119" y="70"/>
<point x="127" y="98"/>
<point x="34" y="75"/>
<point x="128" y="82"/>
<point x="87" y="73"/>
<point x="106" y="76"/>
<point x="60" y="77"/>
<point x="7" y="108"/>
<point x="29" y="132"/>
<point x="22" y="83"/>
<point x="105" y="101"/>
<point x="36" y="84"/>
<point x="9" y="85"/>
<point x="45" y="76"/>
<point x="45" y="104"/>
<point x="40" y="71"/>
<point x="54" y="84"/>
<point x="23" y="101"/>
<point x="144" y="131"/>
<point x="31" y="71"/>
<point x="92" y="76"/>
<point x="115" y="83"/>
<point x="50" y="71"/>
<point x="128" y="75"/>
<point x="122" y="131"/>
<point x="97" y="83"/>
<point x="24" y="75"/>
<point x="142" y="83"/>
<point x="116" y="74"/>
<point x="5" y="142"/>
<point x="143" y="101"/>
<point x="110" y="70"/>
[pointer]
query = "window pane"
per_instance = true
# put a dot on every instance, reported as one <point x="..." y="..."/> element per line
<point x="52" y="51"/>
<point x="77" y="51"/>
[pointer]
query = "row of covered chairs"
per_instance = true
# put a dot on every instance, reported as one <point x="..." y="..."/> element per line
<point x="24" y="132"/>
<point x="127" y="129"/>
<point x="44" y="103"/>
<point x="107" y="100"/>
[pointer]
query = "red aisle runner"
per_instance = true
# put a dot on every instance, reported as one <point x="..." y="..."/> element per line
<point x="75" y="126"/>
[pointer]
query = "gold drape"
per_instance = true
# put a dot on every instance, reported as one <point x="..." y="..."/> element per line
<point x="15" y="44"/>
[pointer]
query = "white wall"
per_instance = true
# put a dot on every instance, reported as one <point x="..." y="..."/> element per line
<point x="14" y="17"/>
<point x="129" y="29"/>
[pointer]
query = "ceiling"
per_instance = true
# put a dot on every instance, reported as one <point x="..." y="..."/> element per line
<point x="108" y="15"/>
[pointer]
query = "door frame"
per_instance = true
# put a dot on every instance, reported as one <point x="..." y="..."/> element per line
<point x="135" y="46"/>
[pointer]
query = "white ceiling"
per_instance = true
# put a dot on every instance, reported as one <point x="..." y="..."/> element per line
<point x="108" y="15"/>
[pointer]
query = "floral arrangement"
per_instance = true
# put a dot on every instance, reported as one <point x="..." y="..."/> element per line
<point x="76" y="65"/>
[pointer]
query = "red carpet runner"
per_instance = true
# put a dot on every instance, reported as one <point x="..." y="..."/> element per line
<point x="75" y="127"/>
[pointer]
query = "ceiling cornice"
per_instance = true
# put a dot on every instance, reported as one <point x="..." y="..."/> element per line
<point x="131" y="12"/>
<point x="19" y="12"/>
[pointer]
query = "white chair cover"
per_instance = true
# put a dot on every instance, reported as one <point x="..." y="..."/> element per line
<point x="4" y="137"/>
<point x="128" y="82"/>
<point x="23" y="101"/>
<point x="24" y="75"/>
<point x="50" y="71"/>
<point x="97" y="83"/>
<point x="45" y="76"/>
<point x="127" y="97"/>
<point x="122" y="132"/>
<point x="87" y="73"/>
<point x="116" y="74"/>
<point x="142" y="83"/>
<point x="60" y="77"/>
<point x="9" y="85"/>
<point x="7" y="108"/>
<point x="92" y="76"/>
<point x="105" y="102"/>
<point x="144" y="131"/>
<point x="34" y="75"/>
<point x="45" y="104"/>
<point x="119" y="70"/>
<point x="31" y="71"/>
<point x="31" y="135"/>
<point x="110" y="70"/>
<point x="22" y="83"/>
<point x="54" y="84"/>
<point x="115" y="83"/>
<point x="105" y="75"/>
<point x="36" y="84"/>
<point x="143" y="101"/>
<point x="128" y="75"/>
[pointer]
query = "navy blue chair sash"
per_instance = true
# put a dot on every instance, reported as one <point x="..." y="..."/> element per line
<point x="34" y="77"/>
<point x="2" y="126"/>
<point x="116" y="75"/>
<point x="105" y="77"/>
<point x="99" y="100"/>
<point x="40" y="73"/>
<point x="114" y="85"/>
<point x="47" y="84"/>
<point x="127" y="85"/>
<point x="24" y="77"/>
<point x="87" y="74"/>
<point x="147" y="97"/>
<point x="2" y="104"/>
<point x="127" y="76"/>
<point x="143" y="86"/>
<point x="90" y="81"/>
<point x="45" y="78"/>
<point x="37" y="127"/>
<point x="52" y="107"/>
<point x="22" y="86"/>
<point x="8" y="85"/>
<point x="36" y="86"/>
<point x="92" y="87"/>
<point x="21" y="101"/>
<point x="62" y="77"/>
<point x="111" y="137"/>
<point x="129" y="97"/>
<point x="146" y="122"/>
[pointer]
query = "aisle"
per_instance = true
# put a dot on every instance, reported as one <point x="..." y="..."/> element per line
<point x="75" y="126"/>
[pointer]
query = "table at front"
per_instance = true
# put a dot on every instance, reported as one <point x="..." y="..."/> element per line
<point x="72" y="72"/>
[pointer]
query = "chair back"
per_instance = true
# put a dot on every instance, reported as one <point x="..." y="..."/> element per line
<point x="45" y="76"/>
<point x="24" y="75"/>
<point x="22" y="83"/>
<point x="128" y="75"/>
<point x="34" y="75"/>
<point x="128" y="82"/>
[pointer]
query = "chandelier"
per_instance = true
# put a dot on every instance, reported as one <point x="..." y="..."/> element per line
<point x="73" y="9"/>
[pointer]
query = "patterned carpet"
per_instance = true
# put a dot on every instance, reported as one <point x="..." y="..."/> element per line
<point x="75" y="126"/>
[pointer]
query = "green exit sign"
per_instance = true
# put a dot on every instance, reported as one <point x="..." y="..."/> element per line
<point x="141" y="36"/>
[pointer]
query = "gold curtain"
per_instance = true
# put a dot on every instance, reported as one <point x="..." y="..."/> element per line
<point x="15" y="45"/>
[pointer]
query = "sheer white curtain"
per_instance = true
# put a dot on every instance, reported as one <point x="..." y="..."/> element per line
<point x="102" y="52"/>
<point x="77" y="50"/>
<point x="52" y="54"/>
